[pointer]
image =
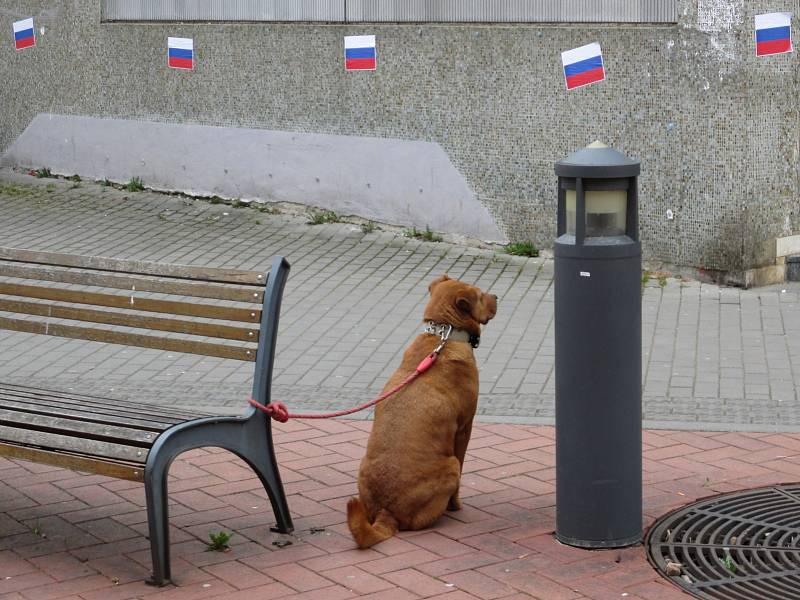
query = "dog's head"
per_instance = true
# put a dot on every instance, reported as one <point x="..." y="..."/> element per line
<point x="459" y="304"/>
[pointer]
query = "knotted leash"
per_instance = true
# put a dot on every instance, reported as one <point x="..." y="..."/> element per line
<point x="279" y="412"/>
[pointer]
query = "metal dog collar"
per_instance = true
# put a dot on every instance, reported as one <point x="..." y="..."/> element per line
<point x="448" y="333"/>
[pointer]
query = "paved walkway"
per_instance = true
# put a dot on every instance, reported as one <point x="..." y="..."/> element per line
<point x="714" y="358"/>
<point x="79" y="537"/>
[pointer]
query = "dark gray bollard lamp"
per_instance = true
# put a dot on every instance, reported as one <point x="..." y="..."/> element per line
<point x="598" y="350"/>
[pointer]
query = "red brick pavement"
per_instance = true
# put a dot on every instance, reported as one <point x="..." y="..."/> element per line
<point x="70" y="536"/>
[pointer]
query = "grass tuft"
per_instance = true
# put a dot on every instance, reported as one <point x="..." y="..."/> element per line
<point x="427" y="235"/>
<point x="263" y="207"/>
<point x="37" y="530"/>
<point x="522" y="249"/>
<point x="728" y="563"/>
<point x="134" y="185"/>
<point x="320" y="217"/>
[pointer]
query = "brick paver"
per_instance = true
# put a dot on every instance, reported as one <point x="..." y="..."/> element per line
<point x="490" y="549"/>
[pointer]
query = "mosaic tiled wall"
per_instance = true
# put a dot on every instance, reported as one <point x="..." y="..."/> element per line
<point x="716" y="128"/>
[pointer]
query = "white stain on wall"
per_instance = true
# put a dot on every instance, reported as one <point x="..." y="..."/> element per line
<point x="714" y="16"/>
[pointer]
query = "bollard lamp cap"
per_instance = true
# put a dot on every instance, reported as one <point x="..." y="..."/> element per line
<point x="598" y="161"/>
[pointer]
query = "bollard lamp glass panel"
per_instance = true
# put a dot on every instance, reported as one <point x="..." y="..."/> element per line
<point x="605" y="212"/>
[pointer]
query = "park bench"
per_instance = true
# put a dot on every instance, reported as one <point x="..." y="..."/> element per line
<point x="175" y="308"/>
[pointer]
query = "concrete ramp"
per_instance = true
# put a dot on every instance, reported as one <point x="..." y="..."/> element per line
<point x="401" y="182"/>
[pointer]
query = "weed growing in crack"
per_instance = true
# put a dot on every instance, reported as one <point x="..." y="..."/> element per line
<point x="320" y="217"/>
<point x="134" y="185"/>
<point x="219" y="541"/>
<point x="522" y="249"/>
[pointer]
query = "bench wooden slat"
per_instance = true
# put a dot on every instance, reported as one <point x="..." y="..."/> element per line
<point x="131" y="302"/>
<point x="79" y="428"/>
<point x="139" y="267"/>
<point x="159" y="413"/>
<point x="129" y="339"/>
<point x="56" y="311"/>
<point x="161" y="286"/>
<point x="105" y="416"/>
<point x="56" y="441"/>
<point x="156" y="421"/>
<point x="74" y="461"/>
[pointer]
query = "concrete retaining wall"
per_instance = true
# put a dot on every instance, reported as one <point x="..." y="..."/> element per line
<point x="393" y="181"/>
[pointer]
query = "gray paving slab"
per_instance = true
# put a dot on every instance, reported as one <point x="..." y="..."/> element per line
<point x="714" y="358"/>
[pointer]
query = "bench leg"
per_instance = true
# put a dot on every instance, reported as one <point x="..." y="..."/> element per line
<point x="262" y="460"/>
<point x="155" y="487"/>
<point x="244" y="437"/>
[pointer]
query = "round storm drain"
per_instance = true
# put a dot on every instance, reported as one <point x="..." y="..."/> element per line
<point x="740" y="546"/>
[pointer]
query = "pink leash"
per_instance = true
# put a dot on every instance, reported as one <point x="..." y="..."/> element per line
<point x="279" y="411"/>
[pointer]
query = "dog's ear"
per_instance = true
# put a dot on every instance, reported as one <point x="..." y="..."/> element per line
<point x="466" y="301"/>
<point x="437" y="281"/>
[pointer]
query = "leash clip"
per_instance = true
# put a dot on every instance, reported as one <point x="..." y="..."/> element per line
<point x="444" y="335"/>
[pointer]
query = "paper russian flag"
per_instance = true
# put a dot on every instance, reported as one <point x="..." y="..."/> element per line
<point x="359" y="53"/>
<point x="583" y="65"/>
<point x="773" y="33"/>
<point x="181" y="53"/>
<point x="23" y="34"/>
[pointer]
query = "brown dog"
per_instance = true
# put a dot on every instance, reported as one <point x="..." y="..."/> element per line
<point x="412" y="469"/>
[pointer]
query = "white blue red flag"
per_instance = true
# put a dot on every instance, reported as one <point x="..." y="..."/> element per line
<point x="23" y="34"/>
<point x="181" y="53"/>
<point x="773" y="33"/>
<point x="583" y="65"/>
<point x="359" y="53"/>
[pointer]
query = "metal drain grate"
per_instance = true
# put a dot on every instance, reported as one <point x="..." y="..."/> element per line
<point x="740" y="546"/>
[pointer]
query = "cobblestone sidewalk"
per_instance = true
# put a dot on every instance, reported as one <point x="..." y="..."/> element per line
<point x="714" y="358"/>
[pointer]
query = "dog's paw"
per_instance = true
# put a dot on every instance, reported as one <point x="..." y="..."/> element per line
<point x="454" y="504"/>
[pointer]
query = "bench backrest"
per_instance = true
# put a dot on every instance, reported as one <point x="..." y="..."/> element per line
<point x="197" y="310"/>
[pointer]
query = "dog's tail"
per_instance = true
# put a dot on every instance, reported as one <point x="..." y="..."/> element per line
<point x="368" y="534"/>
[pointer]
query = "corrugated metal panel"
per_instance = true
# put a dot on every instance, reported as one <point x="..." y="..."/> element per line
<point x="519" y="11"/>
<point x="574" y="11"/>
<point x="223" y="10"/>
